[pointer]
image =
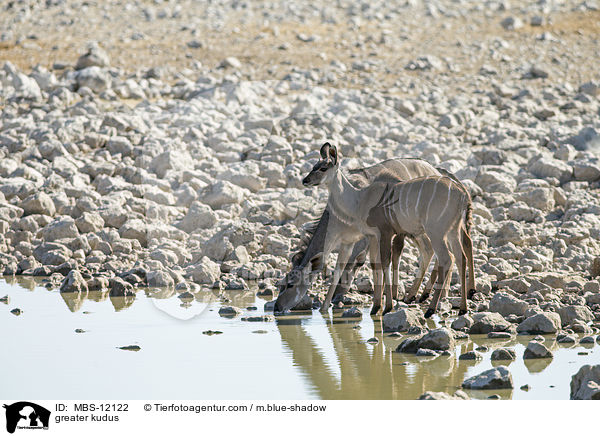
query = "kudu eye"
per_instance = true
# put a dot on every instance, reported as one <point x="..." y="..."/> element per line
<point x="323" y="169"/>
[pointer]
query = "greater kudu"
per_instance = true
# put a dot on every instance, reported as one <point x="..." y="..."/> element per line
<point x="382" y="210"/>
<point x="308" y="261"/>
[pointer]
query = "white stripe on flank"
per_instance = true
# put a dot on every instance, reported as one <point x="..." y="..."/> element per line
<point x="386" y="212"/>
<point x="419" y="196"/>
<point x="406" y="174"/>
<point x="431" y="199"/>
<point x="394" y="206"/>
<point x="408" y="198"/>
<point x="447" y="202"/>
<point x="401" y="209"/>
<point x="390" y="208"/>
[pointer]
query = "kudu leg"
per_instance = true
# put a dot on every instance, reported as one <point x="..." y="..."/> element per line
<point x="429" y="286"/>
<point x="460" y="258"/>
<point x="343" y="255"/>
<point x="445" y="262"/>
<point x="356" y="260"/>
<point x="377" y="275"/>
<point x="385" y="249"/>
<point x="425" y="255"/>
<point x="397" y="247"/>
<point x="467" y="246"/>
<point x="345" y="280"/>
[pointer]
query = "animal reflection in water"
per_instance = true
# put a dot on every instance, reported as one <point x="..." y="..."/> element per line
<point x="75" y="300"/>
<point x="366" y="371"/>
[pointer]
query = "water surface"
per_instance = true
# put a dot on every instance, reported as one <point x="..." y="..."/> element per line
<point x="298" y="357"/>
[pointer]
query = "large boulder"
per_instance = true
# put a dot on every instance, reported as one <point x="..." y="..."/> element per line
<point x="505" y="304"/>
<point x="38" y="203"/>
<point x="160" y="279"/>
<point x="570" y="314"/>
<point x="495" y="378"/>
<point x="89" y="222"/>
<point x="503" y="354"/>
<point x="541" y="323"/>
<point x="52" y="253"/>
<point x="486" y="322"/>
<point x="135" y="229"/>
<point x="462" y="322"/>
<point x="95" y="78"/>
<point x="206" y="272"/>
<point x="61" y="228"/>
<point x="95" y="57"/>
<point x="199" y="216"/>
<point x="120" y="288"/>
<point x="276" y="245"/>
<point x="173" y="160"/>
<point x="222" y="193"/>
<point x="545" y="167"/>
<point x="25" y="87"/>
<point x="536" y="350"/>
<point x="73" y="282"/>
<point x="585" y="384"/>
<point x="438" y="339"/>
<point x="402" y="320"/>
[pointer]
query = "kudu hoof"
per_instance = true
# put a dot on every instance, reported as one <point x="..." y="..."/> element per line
<point x="374" y="310"/>
<point x="462" y="312"/>
<point x="471" y="293"/>
<point x="429" y="313"/>
<point x="410" y="300"/>
<point x="387" y="310"/>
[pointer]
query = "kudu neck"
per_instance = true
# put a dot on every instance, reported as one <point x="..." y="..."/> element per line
<point x="344" y="198"/>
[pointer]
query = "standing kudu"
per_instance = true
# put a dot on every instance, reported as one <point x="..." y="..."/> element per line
<point x="309" y="259"/>
<point x="382" y="210"/>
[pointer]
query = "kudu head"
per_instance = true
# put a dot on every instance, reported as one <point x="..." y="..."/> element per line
<point x="295" y="285"/>
<point x="325" y="169"/>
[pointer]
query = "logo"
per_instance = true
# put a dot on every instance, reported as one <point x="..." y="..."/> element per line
<point x="26" y="415"/>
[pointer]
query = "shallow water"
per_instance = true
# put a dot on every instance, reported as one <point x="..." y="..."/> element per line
<point x="296" y="357"/>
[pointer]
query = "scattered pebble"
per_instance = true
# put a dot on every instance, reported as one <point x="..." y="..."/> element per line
<point x="471" y="355"/>
<point x="212" y="332"/>
<point x="263" y="318"/>
<point x="230" y="311"/>
<point x="130" y="348"/>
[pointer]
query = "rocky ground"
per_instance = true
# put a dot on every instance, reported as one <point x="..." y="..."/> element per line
<point x="162" y="143"/>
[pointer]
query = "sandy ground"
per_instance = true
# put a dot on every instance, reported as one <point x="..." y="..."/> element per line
<point x="272" y="50"/>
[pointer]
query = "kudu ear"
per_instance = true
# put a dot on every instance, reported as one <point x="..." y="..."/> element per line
<point x="316" y="262"/>
<point x="297" y="258"/>
<point x="333" y="154"/>
<point x="325" y="150"/>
